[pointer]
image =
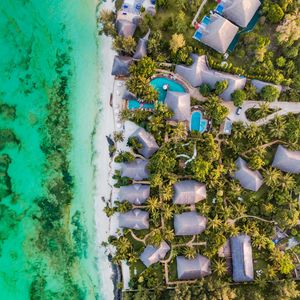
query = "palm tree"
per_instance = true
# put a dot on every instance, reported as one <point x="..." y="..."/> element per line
<point x="166" y="192"/>
<point x="277" y="127"/>
<point x="123" y="245"/>
<point x="263" y="111"/>
<point x="190" y="252"/>
<point x="235" y="189"/>
<point x="252" y="131"/>
<point x="219" y="267"/>
<point x="215" y="223"/>
<point x="153" y="204"/>
<point x="155" y="237"/>
<point x="287" y="182"/>
<point x="260" y="241"/>
<point x="179" y="132"/>
<point x="240" y="209"/>
<point x="168" y="211"/>
<point x="168" y="234"/>
<point x="272" y="177"/>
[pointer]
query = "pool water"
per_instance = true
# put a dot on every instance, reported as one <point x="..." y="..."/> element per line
<point x="134" y="104"/>
<point x="158" y="84"/>
<point x="197" y="122"/>
<point x="205" y="20"/>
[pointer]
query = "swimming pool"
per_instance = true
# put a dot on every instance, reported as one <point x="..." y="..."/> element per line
<point x="134" y="104"/>
<point x="197" y="122"/>
<point x="158" y="84"/>
<point x="173" y="86"/>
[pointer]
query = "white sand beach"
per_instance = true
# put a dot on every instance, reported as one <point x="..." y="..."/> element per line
<point x="101" y="160"/>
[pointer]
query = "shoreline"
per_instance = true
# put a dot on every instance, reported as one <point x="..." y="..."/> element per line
<point x="104" y="126"/>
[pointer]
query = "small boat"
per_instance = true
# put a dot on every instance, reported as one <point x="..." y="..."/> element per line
<point x="110" y="141"/>
<point x="111" y="99"/>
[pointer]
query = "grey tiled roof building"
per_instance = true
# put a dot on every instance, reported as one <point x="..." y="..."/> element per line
<point x="189" y="223"/>
<point x="188" y="192"/>
<point x="135" y="219"/>
<point x="188" y="269"/>
<point x="241" y="252"/>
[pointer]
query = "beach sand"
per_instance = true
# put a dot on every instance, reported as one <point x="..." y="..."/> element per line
<point x="101" y="160"/>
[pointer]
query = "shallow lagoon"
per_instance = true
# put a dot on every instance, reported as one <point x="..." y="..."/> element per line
<point x="32" y="33"/>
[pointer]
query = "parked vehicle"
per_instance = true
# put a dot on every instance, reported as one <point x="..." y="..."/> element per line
<point x="239" y="110"/>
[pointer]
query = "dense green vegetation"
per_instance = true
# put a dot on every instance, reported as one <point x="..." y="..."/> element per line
<point x="270" y="53"/>
<point x="254" y="114"/>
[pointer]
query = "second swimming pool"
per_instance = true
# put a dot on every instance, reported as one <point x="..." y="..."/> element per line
<point x="197" y="122"/>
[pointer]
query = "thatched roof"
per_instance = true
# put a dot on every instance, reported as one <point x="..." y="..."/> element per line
<point x="188" y="192"/>
<point x="219" y="33"/>
<point x="136" y="169"/>
<point x="287" y="160"/>
<point x="250" y="180"/>
<point x="152" y="255"/>
<point x="240" y="11"/>
<point x="128" y="95"/>
<point x="180" y="104"/>
<point x="260" y="84"/>
<point x="149" y="145"/>
<point x="121" y="65"/>
<point x="192" y="268"/>
<point x="199" y="73"/>
<point x="125" y="28"/>
<point x="141" y="48"/>
<point x="135" y="219"/>
<point x="189" y="223"/>
<point x="135" y="193"/>
<point x="241" y="253"/>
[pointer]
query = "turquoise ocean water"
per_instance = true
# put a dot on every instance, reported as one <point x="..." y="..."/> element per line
<point x="32" y="32"/>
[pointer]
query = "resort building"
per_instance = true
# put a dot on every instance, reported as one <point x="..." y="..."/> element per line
<point x="152" y="255"/>
<point x="141" y="48"/>
<point x="134" y="219"/>
<point x="239" y="12"/>
<point x="189" y="223"/>
<point x="199" y="73"/>
<point x="136" y="169"/>
<point x="287" y="160"/>
<point x="249" y="180"/>
<point x="216" y="32"/>
<point x="260" y="84"/>
<point x="188" y="269"/>
<point x="149" y="145"/>
<point x="180" y="104"/>
<point x="121" y="66"/>
<point x="125" y="28"/>
<point x="136" y="194"/>
<point x="189" y="192"/>
<point x="241" y="252"/>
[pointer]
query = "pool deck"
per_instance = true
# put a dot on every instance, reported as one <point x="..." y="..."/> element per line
<point x="194" y="92"/>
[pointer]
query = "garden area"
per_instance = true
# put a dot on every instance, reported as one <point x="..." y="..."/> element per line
<point x="229" y="208"/>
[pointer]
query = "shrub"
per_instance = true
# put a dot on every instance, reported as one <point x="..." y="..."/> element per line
<point x="221" y="86"/>
<point x="275" y="13"/>
<point x="205" y="89"/>
<point x="238" y="97"/>
<point x="269" y="93"/>
<point x="124" y="157"/>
